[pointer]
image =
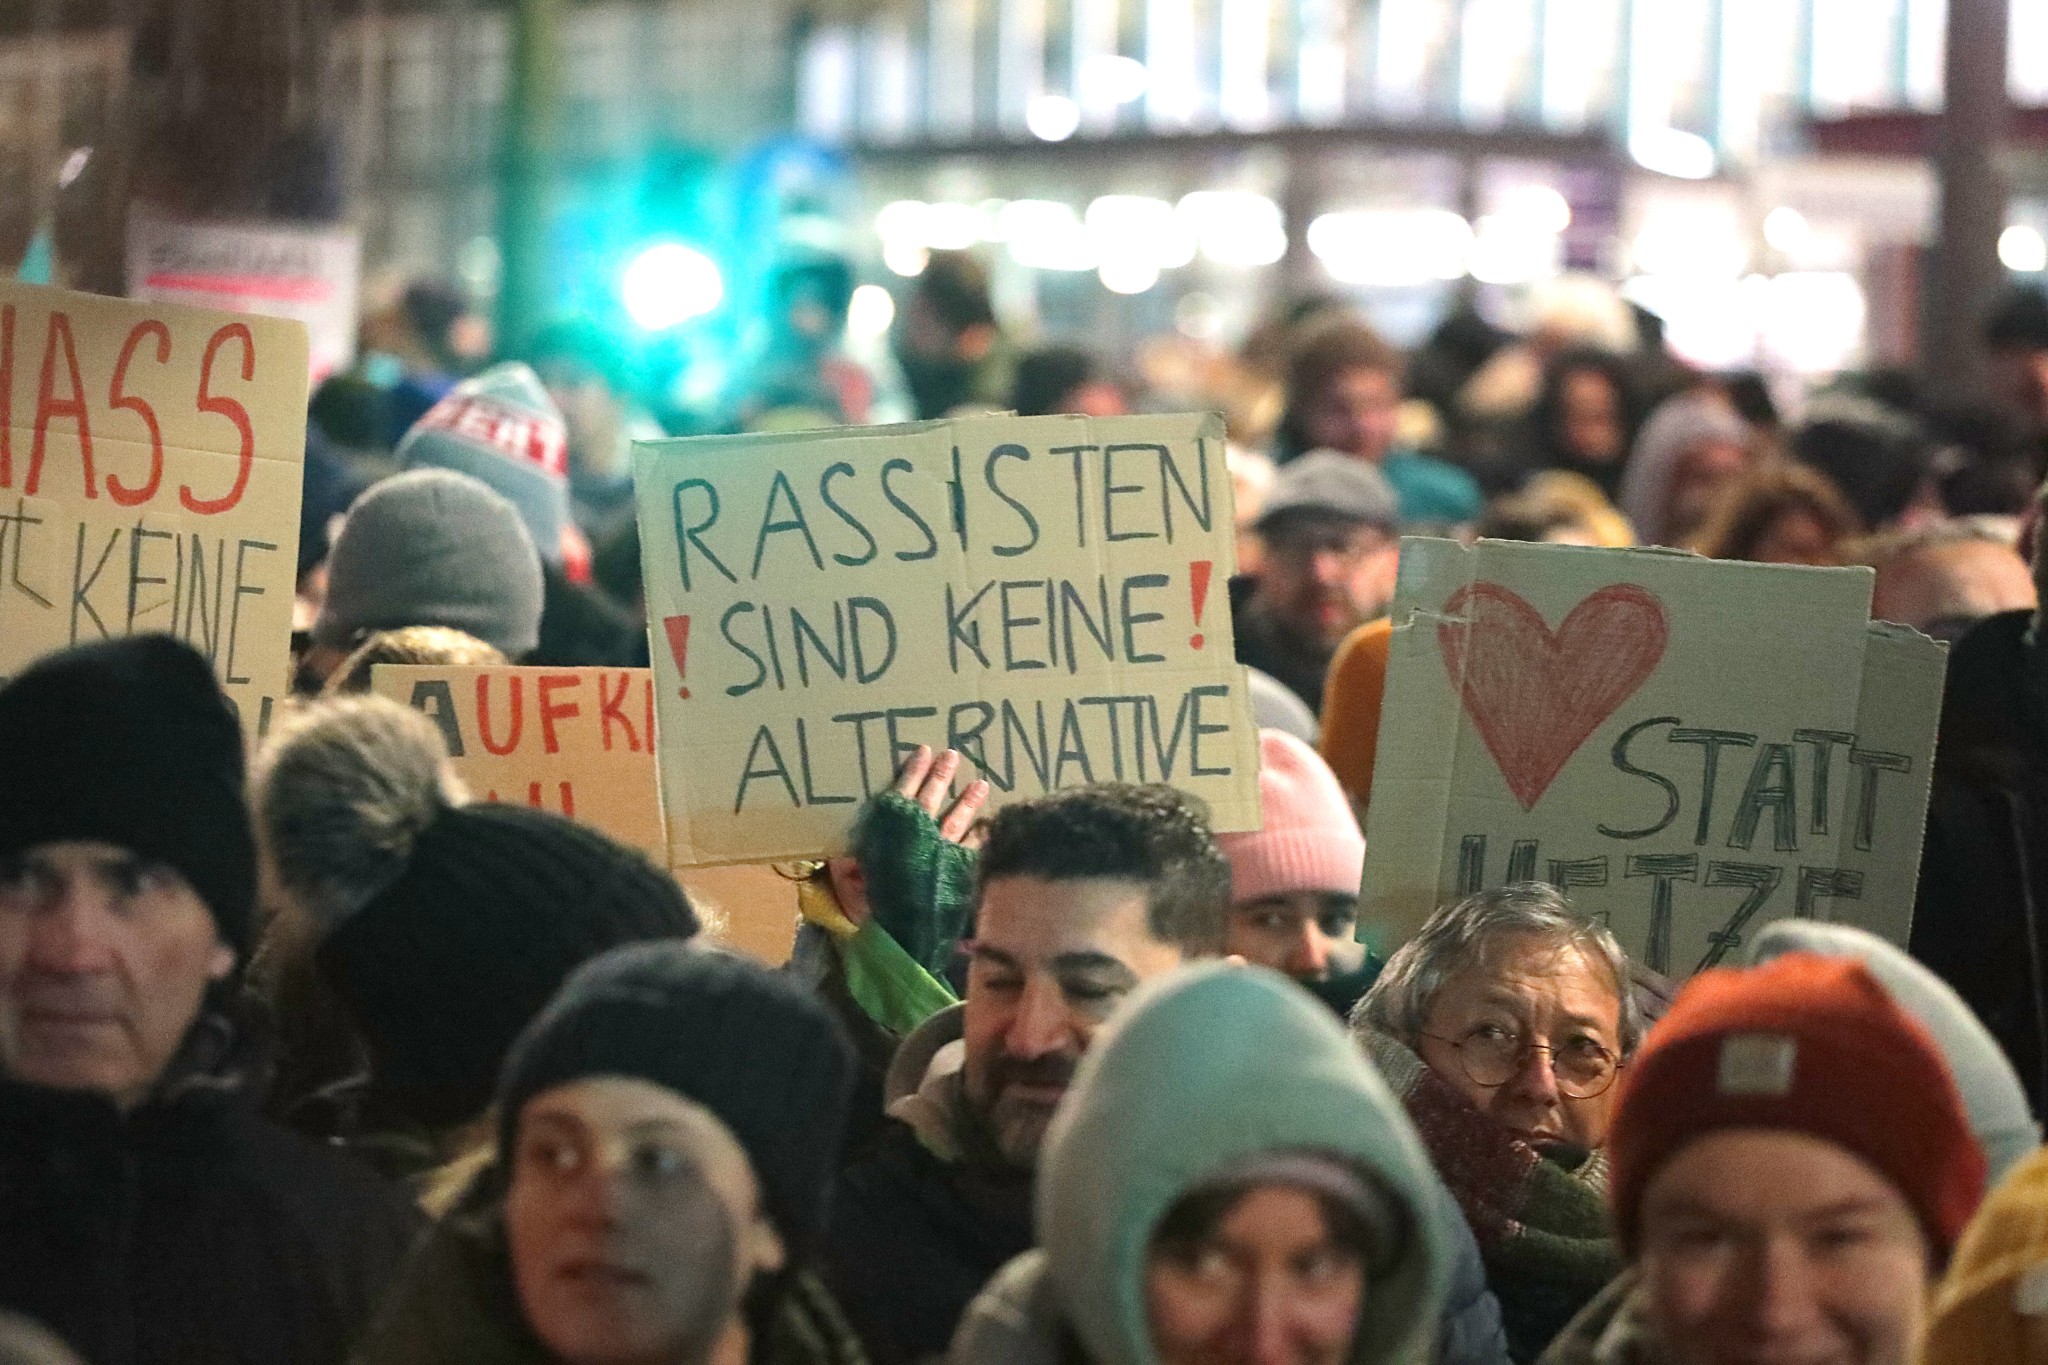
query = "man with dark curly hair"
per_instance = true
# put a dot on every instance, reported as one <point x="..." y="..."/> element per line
<point x="1081" y="896"/>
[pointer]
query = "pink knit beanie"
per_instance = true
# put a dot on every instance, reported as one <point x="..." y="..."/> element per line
<point x="1311" y="840"/>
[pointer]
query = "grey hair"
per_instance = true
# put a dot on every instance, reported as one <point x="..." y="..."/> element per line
<point x="342" y="793"/>
<point x="1459" y="935"/>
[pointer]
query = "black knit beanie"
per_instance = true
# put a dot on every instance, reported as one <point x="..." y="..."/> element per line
<point x="494" y="907"/>
<point x="130" y="742"/>
<point x="748" y="1044"/>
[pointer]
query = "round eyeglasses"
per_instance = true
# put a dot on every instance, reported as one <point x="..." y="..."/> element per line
<point x="1491" y="1056"/>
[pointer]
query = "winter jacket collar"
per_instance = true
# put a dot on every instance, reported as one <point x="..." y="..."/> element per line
<point x="455" y="1301"/>
<point x="216" y="1071"/>
<point x="1611" y="1330"/>
<point x="923" y="1089"/>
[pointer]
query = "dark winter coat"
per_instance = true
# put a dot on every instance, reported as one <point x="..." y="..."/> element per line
<point x="455" y="1303"/>
<point x="1984" y="872"/>
<point x="191" y="1230"/>
<point x="916" y="1232"/>
<point x="1263" y="643"/>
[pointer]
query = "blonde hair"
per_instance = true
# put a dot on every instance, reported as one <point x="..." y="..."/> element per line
<point x="409" y="645"/>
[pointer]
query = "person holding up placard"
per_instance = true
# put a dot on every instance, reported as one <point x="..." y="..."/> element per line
<point x="151" y="1214"/>
<point x="1080" y="897"/>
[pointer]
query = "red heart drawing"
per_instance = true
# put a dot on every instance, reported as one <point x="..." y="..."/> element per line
<point x="1535" y="695"/>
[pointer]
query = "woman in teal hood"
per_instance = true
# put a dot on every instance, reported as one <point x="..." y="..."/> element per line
<point x="1226" y="1181"/>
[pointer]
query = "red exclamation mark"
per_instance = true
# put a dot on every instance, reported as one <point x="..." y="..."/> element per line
<point x="1198" y="589"/>
<point x="678" y="628"/>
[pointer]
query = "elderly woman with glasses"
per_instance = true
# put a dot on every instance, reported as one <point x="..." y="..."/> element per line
<point x="1503" y="1025"/>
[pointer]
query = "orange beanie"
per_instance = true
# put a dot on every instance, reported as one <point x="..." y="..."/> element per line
<point x="1807" y="1043"/>
<point x="1351" y="708"/>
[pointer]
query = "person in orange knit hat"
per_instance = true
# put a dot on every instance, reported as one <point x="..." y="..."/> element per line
<point x="1792" y="1167"/>
<point x="1351" y="709"/>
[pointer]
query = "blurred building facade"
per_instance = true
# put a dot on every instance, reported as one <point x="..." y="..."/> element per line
<point x="1138" y="165"/>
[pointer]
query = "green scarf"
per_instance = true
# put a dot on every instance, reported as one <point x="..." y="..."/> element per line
<point x="1541" y="1224"/>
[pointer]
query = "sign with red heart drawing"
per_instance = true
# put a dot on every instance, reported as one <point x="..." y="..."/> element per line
<point x="1688" y="748"/>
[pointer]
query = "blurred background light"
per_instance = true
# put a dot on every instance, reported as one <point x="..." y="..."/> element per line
<point x="1129" y="274"/>
<point x="2023" y="249"/>
<point x="1391" y="247"/>
<point x="952" y="227"/>
<point x="1535" y="209"/>
<point x="1235" y="227"/>
<point x="1113" y="79"/>
<point x="1045" y="234"/>
<point x="1786" y="230"/>
<point x="1052" y="118"/>
<point x="870" y="312"/>
<point x="1136" y="226"/>
<point x="1508" y="250"/>
<point x="668" y="284"/>
<point x="1674" y="152"/>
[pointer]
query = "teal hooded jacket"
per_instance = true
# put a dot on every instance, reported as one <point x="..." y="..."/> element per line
<point x="1199" y="1073"/>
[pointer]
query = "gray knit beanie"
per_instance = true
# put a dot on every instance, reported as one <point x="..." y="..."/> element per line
<point x="1991" y="1090"/>
<point x="433" y="548"/>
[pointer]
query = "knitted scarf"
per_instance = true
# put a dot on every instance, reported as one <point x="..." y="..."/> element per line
<point x="1541" y="1224"/>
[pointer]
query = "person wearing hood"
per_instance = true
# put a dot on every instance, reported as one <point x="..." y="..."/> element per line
<point x="1792" y="1169"/>
<point x="943" y="1200"/>
<point x="441" y="925"/>
<point x="1693" y="446"/>
<point x="1079" y="897"/>
<point x="665" y="1137"/>
<point x="149" y="1214"/>
<point x="1228" y="1180"/>
<point x="502" y="428"/>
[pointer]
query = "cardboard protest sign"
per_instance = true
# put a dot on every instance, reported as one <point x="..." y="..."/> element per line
<point x="150" y="460"/>
<point x="281" y="270"/>
<point x="575" y="741"/>
<point x="1046" y="595"/>
<point x="1688" y="748"/>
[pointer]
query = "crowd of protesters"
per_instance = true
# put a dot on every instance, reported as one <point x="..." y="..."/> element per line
<point x="310" y="1057"/>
